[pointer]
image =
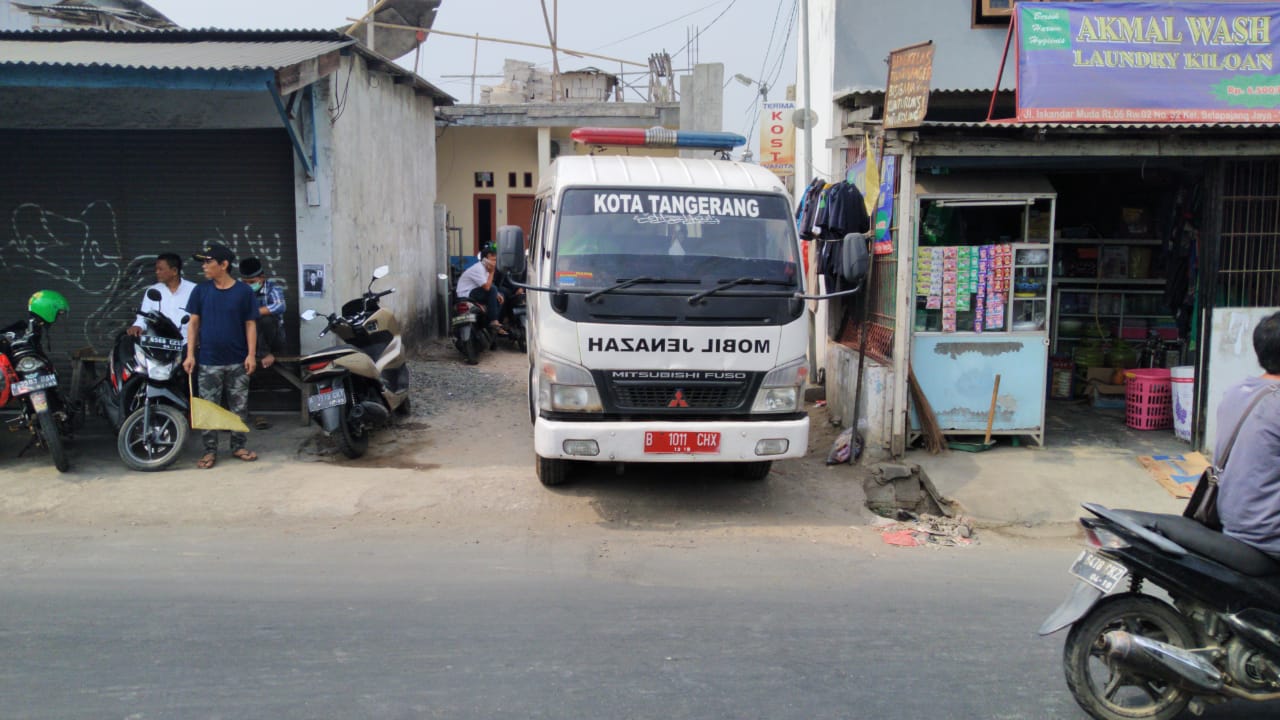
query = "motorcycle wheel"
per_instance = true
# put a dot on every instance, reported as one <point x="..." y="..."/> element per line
<point x="1113" y="693"/>
<point x="471" y="348"/>
<point x="52" y="439"/>
<point x="551" y="471"/>
<point x="167" y="435"/>
<point x="353" y="443"/>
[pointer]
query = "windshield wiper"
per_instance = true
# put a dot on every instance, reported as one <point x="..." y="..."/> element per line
<point x="643" y="280"/>
<point x="726" y="284"/>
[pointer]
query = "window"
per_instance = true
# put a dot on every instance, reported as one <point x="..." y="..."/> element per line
<point x="996" y="13"/>
<point x="484" y="179"/>
<point x="528" y="179"/>
<point x="511" y="179"/>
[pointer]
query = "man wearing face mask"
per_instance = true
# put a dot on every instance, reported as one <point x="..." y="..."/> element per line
<point x="270" y="310"/>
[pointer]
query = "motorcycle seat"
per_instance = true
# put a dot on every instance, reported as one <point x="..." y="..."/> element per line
<point x="1237" y="555"/>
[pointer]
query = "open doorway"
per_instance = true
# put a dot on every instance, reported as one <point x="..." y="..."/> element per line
<point x="486" y="219"/>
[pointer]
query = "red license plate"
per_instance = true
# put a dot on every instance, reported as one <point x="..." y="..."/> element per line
<point x="681" y="442"/>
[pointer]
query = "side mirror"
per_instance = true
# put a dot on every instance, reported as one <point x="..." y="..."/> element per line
<point x="511" y="249"/>
<point x="308" y="315"/>
<point x="153" y="295"/>
<point x="381" y="271"/>
<point x="855" y="260"/>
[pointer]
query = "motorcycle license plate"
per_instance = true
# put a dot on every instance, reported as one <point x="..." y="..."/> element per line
<point x="681" y="442"/>
<point x="333" y="398"/>
<point x="1098" y="571"/>
<point x="32" y="384"/>
<point x="159" y="343"/>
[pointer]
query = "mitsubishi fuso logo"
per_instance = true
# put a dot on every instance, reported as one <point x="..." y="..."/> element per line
<point x="678" y="401"/>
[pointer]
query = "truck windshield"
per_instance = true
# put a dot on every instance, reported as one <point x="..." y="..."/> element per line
<point x="606" y="236"/>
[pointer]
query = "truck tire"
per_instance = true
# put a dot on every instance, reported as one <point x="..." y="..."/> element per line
<point x="755" y="471"/>
<point x="551" y="471"/>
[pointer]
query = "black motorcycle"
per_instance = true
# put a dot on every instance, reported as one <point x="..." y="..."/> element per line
<point x="45" y="412"/>
<point x="1131" y="654"/>
<point x="470" y="327"/>
<point x="144" y="395"/>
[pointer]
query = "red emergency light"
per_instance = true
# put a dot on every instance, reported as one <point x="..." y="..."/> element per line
<point x="658" y="137"/>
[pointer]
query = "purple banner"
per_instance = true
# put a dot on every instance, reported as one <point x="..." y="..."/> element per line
<point x="1148" y="62"/>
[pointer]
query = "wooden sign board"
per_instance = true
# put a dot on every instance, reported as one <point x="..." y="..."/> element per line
<point x="906" y="97"/>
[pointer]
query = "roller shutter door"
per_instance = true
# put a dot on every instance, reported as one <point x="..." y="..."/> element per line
<point x="86" y="214"/>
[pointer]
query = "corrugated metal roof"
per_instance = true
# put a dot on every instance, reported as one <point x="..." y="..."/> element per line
<point x="1011" y="125"/>
<point x="204" y="55"/>
<point x="202" y="49"/>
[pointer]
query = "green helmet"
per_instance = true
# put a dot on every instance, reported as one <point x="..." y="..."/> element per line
<point x="48" y="305"/>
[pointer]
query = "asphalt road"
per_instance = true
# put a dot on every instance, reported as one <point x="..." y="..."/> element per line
<point x="376" y="622"/>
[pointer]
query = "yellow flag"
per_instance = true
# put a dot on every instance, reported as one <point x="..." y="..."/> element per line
<point x="872" y="194"/>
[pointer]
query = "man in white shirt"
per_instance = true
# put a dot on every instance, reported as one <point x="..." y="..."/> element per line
<point x="477" y="283"/>
<point x="174" y="292"/>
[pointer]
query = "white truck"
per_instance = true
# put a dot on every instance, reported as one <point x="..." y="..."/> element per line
<point x="666" y="311"/>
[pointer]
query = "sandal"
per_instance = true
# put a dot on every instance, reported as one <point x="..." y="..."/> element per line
<point x="260" y="423"/>
<point x="245" y="454"/>
<point x="208" y="461"/>
<point x="500" y="330"/>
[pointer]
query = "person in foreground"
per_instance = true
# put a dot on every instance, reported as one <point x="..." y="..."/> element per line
<point x="1249" y="487"/>
<point x="223" y="336"/>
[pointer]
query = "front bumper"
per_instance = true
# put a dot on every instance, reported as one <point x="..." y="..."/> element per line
<point x="624" y="441"/>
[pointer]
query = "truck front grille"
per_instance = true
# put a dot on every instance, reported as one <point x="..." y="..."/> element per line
<point x="674" y="396"/>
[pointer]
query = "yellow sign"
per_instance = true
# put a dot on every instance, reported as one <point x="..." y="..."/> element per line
<point x="778" y="138"/>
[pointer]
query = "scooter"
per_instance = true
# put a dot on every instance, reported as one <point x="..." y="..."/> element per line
<point x="45" y="412"/>
<point x="1131" y="654"/>
<point x="356" y="386"/>
<point x="144" y="394"/>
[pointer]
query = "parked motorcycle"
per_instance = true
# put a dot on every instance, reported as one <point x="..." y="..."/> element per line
<point x="144" y="395"/>
<point x="45" y="412"/>
<point x="356" y="386"/>
<point x="1131" y="654"/>
<point x="470" y="327"/>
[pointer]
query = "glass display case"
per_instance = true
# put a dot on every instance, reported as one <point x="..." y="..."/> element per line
<point x="1029" y="305"/>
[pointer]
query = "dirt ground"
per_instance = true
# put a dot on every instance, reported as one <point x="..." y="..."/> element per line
<point x="462" y="458"/>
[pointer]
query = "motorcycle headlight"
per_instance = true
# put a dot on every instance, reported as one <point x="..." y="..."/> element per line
<point x="30" y="364"/>
<point x="782" y="389"/>
<point x="159" y="371"/>
<point x="563" y="387"/>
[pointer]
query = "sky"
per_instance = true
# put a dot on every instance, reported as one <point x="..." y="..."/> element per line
<point x="755" y="38"/>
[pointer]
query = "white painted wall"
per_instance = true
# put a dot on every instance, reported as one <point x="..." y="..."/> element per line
<point x="1231" y="359"/>
<point x="380" y="202"/>
<point x="872" y="418"/>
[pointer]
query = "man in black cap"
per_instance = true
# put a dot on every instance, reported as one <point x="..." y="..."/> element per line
<point x="271" y="306"/>
<point x="222" y="335"/>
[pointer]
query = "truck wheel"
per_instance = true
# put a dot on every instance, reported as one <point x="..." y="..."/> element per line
<point x="552" y="471"/>
<point x="755" y="471"/>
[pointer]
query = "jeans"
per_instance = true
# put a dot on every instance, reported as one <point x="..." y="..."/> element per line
<point x="233" y="382"/>
<point x="488" y="298"/>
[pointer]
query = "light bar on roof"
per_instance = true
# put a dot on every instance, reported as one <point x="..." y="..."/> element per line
<point x="658" y="137"/>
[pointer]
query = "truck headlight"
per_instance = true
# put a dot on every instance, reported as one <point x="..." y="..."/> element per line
<point x="563" y="387"/>
<point x="781" y="390"/>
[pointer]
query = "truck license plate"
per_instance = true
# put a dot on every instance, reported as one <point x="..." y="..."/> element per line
<point x="1098" y="571"/>
<point x="681" y="442"/>
<point x="320" y="401"/>
<point x="37" y="382"/>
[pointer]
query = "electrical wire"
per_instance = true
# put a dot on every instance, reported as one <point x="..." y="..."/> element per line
<point x="755" y="108"/>
<point x="698" y="34"/>
<point x="658" y="27"/>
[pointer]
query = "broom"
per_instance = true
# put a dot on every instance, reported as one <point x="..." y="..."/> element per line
<point x="934" y="441"/>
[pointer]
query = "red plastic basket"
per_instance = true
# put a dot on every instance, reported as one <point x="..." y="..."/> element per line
<point x="1148" y="399"/>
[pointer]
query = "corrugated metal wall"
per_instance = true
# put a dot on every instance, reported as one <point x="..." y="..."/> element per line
<point x="86" y="213"/>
